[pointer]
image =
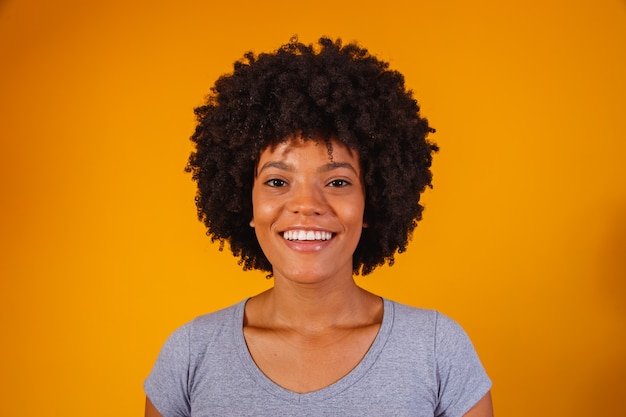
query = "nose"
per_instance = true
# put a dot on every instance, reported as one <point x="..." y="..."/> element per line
<point x="307" y="200"/>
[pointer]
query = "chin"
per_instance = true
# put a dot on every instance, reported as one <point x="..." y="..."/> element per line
<point x="312" y="274"/>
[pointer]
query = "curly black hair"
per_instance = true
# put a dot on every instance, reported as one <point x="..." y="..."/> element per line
<point x="320" y="92"/>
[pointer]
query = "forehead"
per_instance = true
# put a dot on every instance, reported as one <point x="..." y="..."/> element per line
<point x="294" y="147"/>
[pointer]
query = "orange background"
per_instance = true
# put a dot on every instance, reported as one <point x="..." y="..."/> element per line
<point x="523" y="240"/>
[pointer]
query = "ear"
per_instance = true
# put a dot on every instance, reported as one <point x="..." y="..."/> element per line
<point x="252" y="223"/>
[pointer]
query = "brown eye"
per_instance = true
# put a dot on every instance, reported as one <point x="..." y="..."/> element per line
<point x="275" y="182"/>
<point x="339" y="183"/>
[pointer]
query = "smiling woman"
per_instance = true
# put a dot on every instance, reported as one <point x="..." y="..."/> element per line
<point x="321" y="156"/>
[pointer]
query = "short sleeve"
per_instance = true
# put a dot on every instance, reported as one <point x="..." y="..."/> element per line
<point x="167" y="384"/>
<point x="461" y="376"/>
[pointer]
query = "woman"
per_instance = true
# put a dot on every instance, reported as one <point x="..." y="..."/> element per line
<point x="310" y="162"/>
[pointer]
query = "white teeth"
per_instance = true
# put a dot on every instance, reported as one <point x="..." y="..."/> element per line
<point x="306" y="235"/>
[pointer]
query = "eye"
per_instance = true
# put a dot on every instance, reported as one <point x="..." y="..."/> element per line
<point x="275" y="182"/>
<point x="339" y="183"/>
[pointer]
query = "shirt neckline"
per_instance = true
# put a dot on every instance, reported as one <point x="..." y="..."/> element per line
<point x="335" y="388"/>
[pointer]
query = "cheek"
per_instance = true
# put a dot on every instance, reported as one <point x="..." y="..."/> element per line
<point x="257" y="207"/>
<point x="264" y="212"/>
<point x="353" y="211"/>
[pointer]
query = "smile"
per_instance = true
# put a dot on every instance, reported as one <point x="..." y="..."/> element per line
<point x="307" y="235"/>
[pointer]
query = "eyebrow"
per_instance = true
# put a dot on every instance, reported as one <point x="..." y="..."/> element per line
<point x="289" y="168"/>
<point x="274" y="164"/>
<point x="336" y="165"/>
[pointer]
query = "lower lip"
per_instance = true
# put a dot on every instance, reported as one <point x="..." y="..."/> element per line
<point x="307" y="245"/>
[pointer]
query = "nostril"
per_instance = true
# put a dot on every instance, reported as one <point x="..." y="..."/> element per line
<point x="307" y="205"/>
<point x="307" y="211"/>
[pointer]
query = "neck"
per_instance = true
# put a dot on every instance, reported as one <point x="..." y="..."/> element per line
<point x="316" y="307"/>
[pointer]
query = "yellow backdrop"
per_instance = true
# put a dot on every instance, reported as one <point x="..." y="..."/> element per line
<point x="524" y="236"/>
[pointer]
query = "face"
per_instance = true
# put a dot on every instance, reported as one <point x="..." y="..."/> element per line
<point x="308" y="206"/>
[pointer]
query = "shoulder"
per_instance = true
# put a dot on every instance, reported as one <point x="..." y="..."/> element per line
<point x="186" y="354"/>
<point x="197" y="334"/>
<point x="216" y="319"/>
<point x="415" y="318"/>
<point x="212" y="326"/>
<point x="410" y="320"/>
<point x="404" y="311"/>
<point x="428" y="328"/>
<point x="444" y="349"/>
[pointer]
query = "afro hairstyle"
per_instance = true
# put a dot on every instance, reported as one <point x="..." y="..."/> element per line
<point x="328" y="91"/>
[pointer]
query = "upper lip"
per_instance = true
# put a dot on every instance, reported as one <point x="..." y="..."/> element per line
<point x="306" y="229"/>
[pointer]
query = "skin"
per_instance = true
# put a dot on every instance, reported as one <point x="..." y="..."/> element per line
<point x="298" y="187"/>
<point x="315" y="318"/>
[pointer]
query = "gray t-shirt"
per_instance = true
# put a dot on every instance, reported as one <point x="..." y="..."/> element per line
<point x="421" y="364"/>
